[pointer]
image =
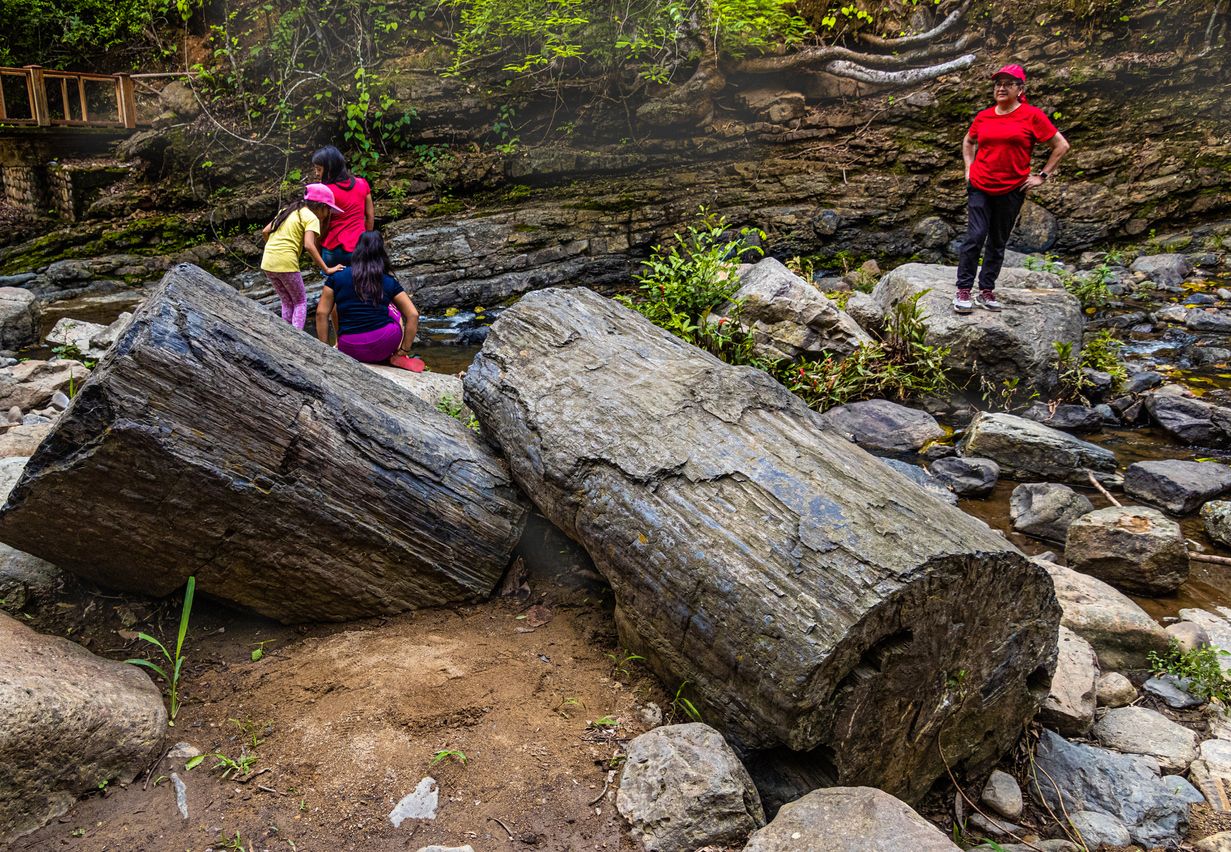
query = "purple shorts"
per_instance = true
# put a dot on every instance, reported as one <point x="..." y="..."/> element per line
<point x="372" y="347"/>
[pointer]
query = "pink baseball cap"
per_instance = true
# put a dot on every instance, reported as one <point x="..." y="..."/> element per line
<point x="321" y="194"/>
<point x="1015" y="71"/>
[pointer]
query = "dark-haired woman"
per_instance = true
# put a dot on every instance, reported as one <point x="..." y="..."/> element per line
<point x="296" y="229"/>
<point x="368" y="299"/>
<point x="353" y="196"/>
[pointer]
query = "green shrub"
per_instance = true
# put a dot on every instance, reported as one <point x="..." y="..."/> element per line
<point x="1200" y="667"/>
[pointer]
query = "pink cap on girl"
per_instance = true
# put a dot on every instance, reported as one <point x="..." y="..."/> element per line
<point x="321" y="194"/>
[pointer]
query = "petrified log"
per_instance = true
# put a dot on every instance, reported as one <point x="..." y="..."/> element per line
<point x="803" y="593"/>
<point x="216" y="440"/>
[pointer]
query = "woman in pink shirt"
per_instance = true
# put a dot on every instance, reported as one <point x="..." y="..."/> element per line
<point x="353" y="196"/>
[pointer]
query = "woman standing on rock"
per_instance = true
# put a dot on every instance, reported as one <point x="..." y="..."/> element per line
<point x="368" y="298"/>
<point x="353" y="196"/>
<point x="296" y="229"/>
<point x="997" y="149"/>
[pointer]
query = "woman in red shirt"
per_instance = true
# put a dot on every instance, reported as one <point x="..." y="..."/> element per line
<point x="997" y="150"/>
<point x="353" y="196"/>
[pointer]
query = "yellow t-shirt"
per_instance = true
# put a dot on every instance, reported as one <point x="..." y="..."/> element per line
<point x="284" y="246"/>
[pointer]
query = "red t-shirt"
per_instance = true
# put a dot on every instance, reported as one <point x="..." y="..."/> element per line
<point x="1006" y="142"/>
<point x="345" y="227"/>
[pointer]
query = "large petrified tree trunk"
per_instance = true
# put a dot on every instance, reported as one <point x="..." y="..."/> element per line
<point x="218" y="441"/>
<point x="806" y="594"/>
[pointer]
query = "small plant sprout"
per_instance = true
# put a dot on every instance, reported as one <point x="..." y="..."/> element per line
<point x="622" y="663"/>
<point x="605" y="723"/>
<point x="681" y="706"/>
<point x="173" y="667"/>
<point x="252" y="731"/>
<point x="231" y="767"/>
<point x="449" y="754"/>
<point x="259" y="651"/>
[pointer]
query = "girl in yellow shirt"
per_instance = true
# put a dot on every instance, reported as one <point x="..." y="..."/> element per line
<point x="297" y="228"/>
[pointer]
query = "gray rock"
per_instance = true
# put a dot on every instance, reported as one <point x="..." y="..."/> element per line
<point x="78" y="334"/>
<point x="923" y="479"/>
<point x="863" y="309"/>
<point x="59" y="400"/>
<point x="848" y="819"/>
<point x="931" y="232"/>
<point x="1216" y="516"/>
<point x="1143" y="381"/>
<point x="1002" y="794"/>
<point x="1205" y="355"/>
<point x="1035" y="230"/>
<point x="1220" y="842"/>
<point x="1192" y="420"/>
<point x="1000" y="347"/>
<point x="1097" y="829"/>
<point x="683" y="787"/>
<point x="1178" y="486"/>
<point x="1121" y="632"/>
<point x="1209" y="320"/>
<point x="1127" y="787"/>
<point x="1115" y="690"/>
<point x="1028" y="450"/>
<point x="1034" y="846"/>
<point x="1217" y="627"/>
<point x="1132" y="547"/>
<point x="1172" y="691"/>
<point x="968" y="477"/>
<point x="1140" y="730"/>
<point x="1045" y="509"/>
<point x="990" y="826"/>
<point x="71" y="722"/>
<point x="1188" y="635"/>
<point x="1211" y="773"/>
<point x="178" y="97"/>
<point x="1166" y="269"/>
<point x="1074" y="418"/>
<point x="420" y="803"/>
<point x="788" y="318"/>
<point x="1069" y="707"/>
<point x="1172" y="313"/>
<point x="19" y="317"/>
<point x="881" y="426"/>
<point x="31" y="384"/>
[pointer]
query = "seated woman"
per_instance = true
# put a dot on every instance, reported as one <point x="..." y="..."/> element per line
<point x="376" y="321"/>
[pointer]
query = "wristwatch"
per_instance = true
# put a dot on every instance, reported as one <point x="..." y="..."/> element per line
<point x="1044" y="175"/>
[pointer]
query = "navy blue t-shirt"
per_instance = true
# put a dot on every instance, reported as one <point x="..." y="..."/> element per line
<point x="356" y="316"/>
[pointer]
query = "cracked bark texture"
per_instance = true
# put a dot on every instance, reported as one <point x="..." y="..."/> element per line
<point x="216" y="440"/>
<point x="814" y="601"/>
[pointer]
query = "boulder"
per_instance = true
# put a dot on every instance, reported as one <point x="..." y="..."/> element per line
<point x="1166" y="269"/>
<point x="968" y="477"/>
<point x="1121" y="632"/>
<point x="72" y="721"/>
<point x="1187" y="635"/>
<point x="814" y="600"/>
<point x="1132" y="547"/>
<point x="1217" y="627"/>
<point x="215" y="440"/>
<point x="179" y="98"/>
<point x="1127" y="787"/>
<point x="1074" y="418"/>
<point x="19" y="318"/>
<point x="788" y="318"/>
<point x="31" y="384"/>
<point x="683" y="788"/>
<point x="881" y="426"/>
<point x="1140" y="730"/>
<point x="22" y="440"/>
<point x="1098" y="829"/>
<point x="864" y="310"/>
<point x="849" y="819"/>
<point x="1035" y="230"/>
<point x="1209" y="321"/>
<point x="1180" y="487"/>
<point x="1115" y="690"/>
<point x="1046" y="509"/>
<point x="1216" y="516"/>
<point x="996" y="347"/>
<point x="1192" y="420"/>
<point x="1028" y="450"/>
<point x="90" y="339"/>
<point x="439" y="390"/>
<point x="923" y="479"/>
<point x="1069" y="707"/>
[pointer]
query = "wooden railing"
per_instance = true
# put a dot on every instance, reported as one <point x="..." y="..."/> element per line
<point x="43" y="98"/>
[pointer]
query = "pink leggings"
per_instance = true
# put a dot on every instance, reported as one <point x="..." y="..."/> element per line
<point x="289" y="287"/>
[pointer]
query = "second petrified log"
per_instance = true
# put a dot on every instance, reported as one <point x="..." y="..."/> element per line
<point x="804" y="595"/>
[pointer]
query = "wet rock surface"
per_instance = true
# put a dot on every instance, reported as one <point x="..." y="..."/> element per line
<point x="1132" y="547"/>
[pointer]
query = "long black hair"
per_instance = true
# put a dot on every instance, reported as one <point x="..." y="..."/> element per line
<point x="333" y="165"/>
<point x="369" y="264"/>
<point x="321" y="211"/>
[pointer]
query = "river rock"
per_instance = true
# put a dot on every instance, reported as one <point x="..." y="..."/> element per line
<point x="848" y="819"/>
<point x="1002" y="794"/>
<point x="90" y="339"/>
<point x="1209" y="321"/>
<point x="1143" y="381"/>
<point x="1178" y="486"/>
<point x="1074" y="418"/>
<point x="968" y="477"/>
<point x="865" y="310"/>
<point x="998" y="347"/>
<point x="19" y="318"/>
<point x="1135" y="548"/>
<point x="1046" y="509"/>
<point x="923" y="479"/>
<point x="1140" y="730"/>
<point x="1054" y="845"/>
<point x="1216" y="516"/>
<point x="436" y="389"/>
<point x="215" y="440"/>
<point x="71" y="722"/>
<point x="1028" y="450"/>
<point x="802" y="632"/>
<point x="1187" y="635"/>
<point x="1115" y="690"/>
<point x="22" y="440"/>
<point x="1211" y="773"/>
<point x="1217" y="627"/>
<point x="1192" y="420"/>
<point x="1069" y="707"/>
<point x="1220" y="842"/>
<point x="683" y="788"/>
<point x="31" y="384"/>
<point x="1099" y="829"/>
<point x="881" y="426"/>
<point x="1121" y="632"/>
<point x="1127" y="787"/>
<point x="788" y="318"/>
<point x="1172" y="691"/>
<point x="1166" y="269"/>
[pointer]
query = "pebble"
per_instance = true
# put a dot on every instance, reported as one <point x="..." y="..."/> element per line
<point x="419" y="804"/>
<point x="1002" y="794"/>
<point x="59" y="400"/>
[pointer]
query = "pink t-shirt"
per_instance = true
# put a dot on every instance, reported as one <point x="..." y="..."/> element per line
<point x="345" y="227"/>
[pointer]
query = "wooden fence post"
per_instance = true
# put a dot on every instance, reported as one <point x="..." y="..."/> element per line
<point x="38" y="95"/>
<point x="125" y="101"/>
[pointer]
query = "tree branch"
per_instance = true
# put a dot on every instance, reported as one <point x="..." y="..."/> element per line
<point x="905" y="77"/>
<point x="920" y="38"/>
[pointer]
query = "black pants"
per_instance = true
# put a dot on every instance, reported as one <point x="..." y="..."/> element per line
<point x="989" y="219"/>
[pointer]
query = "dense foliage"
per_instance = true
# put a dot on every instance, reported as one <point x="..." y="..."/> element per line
<point x="61" y="33"/>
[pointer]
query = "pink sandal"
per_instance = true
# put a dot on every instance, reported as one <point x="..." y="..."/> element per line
<point x="413" y="363"/>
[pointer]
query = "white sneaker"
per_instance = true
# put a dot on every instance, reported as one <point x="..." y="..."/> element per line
<point x="962" y="303"/>
<point x="987" y="299"/>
